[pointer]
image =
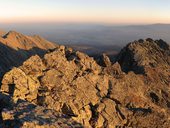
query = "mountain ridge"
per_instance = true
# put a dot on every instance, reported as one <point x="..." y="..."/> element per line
<point x="133" y="91"/>
<point x="16" y="48"/>
<point x="18" y="40"/>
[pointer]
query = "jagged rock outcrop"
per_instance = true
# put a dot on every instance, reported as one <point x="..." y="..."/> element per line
<point x="104" y="61"/>
<point x="138" y="56"/>
<point x="72" y="83"/>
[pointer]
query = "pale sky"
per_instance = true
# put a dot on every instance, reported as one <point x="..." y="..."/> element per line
<point x="85" y="11"/>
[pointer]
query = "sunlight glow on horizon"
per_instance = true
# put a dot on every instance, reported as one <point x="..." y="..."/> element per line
<point x="89" y="11"/>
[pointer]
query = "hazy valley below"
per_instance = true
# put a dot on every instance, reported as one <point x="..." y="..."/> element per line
<point x="93" y="38"/>
<point x="92" y="33"/>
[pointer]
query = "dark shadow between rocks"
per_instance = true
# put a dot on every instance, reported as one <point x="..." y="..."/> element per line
<point x="31" y="113"/>
<point x="13" y="58"/>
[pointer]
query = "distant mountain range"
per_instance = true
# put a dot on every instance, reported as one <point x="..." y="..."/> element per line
<point x="91" y="34"/>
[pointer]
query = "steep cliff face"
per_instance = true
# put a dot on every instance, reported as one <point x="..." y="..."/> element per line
<point x="73" y="84"/>
<point x="15" y="48"/>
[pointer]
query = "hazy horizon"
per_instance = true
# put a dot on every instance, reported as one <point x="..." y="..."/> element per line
<point x="107" y="12"/>
<point x="106" y="22"/>
<point x="92" y="34"/>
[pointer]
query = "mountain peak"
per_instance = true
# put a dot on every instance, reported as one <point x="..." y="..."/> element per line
<point x="144" y="53"/>
<point x="20" y="41"/>
<point x="11" y="34"/>
<point x="17" y="47"/>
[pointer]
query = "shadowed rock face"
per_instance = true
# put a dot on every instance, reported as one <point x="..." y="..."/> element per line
<point x="138" y="56"/>
<point x="73" y="84"/>
<point x="28" y="115"/>
<point x="15" y="48"/>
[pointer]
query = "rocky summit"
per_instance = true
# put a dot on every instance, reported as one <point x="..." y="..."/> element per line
<point x="67" y="88"/>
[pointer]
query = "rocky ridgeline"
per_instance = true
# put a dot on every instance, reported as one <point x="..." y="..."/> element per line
<point x="68" y="88"/>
